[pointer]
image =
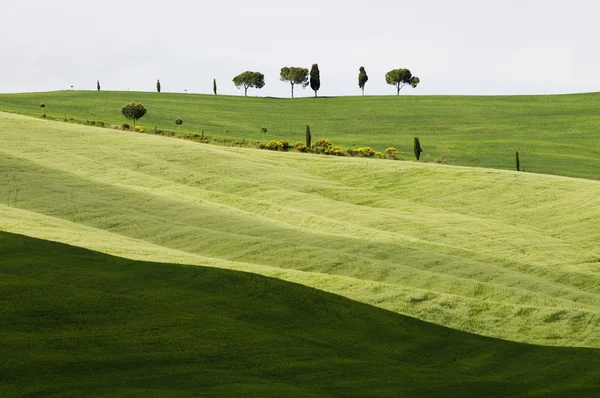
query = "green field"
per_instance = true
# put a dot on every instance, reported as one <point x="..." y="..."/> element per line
<point x="86" y="324"/>
<point x="553" y="134"/>
<point x="498" y="253"/>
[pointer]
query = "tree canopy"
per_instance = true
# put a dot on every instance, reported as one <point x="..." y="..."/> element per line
<point x="315" y="78"/>
<point x="294" y="75"/>
<point x="249" y="79"/>
<point x="362" y="79"/>
<point x="400" y="78"/>
<point x="134" y="111"/>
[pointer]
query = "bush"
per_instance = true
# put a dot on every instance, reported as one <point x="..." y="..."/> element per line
<point x="380" y="155"/>
<point x="278" y="145"/>
<point x="139" y="129"/>
<point x="365" y="152"/>
<point x="321" y="145"/>
<point x="335" y="151"/>
<point x="300" y="147"/>
<point x="125" y="126"/>
<point x="391" y="153"/>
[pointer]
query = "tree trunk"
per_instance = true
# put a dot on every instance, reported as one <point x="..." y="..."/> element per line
<point x="315" y="93"/>
<point x="363" y="90"/>
<point x="292" y="89"/>
<point x="398" y="87"/>
<point x="133" y="127"/>
<point x="245" y="91"/>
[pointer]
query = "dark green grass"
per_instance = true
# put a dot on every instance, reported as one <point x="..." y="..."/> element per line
<point x="553" y="134"/>
<point x="81" y="323"/>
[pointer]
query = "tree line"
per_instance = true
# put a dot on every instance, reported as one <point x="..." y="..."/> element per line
<point x="301" y="76"/>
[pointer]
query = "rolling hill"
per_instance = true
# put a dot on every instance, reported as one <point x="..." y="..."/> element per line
<point x="497" y="253"/>
<point x="553" y="134"/>
<point x="82" y="323"/>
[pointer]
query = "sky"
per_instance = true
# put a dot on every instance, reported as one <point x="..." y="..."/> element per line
<point x="460" y="47"/>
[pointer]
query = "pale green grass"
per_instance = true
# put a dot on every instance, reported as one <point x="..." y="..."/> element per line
<point x="510" y="255"/>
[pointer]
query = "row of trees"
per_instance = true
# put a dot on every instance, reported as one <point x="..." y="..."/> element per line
<point x="296" y="75"/>
<point x="301" y="76"/>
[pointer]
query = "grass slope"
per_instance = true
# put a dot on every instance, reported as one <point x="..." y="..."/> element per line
<point x="86" y="324"/>
<point x="504" y="254"/>
<point x="554" y="134"/>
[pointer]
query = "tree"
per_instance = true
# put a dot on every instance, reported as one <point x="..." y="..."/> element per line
<point x="178" y="122"/>
<point x="133" y="111"/>
<point x="518" y="162"/>
<point x="158" y="85"/>
<point x="215" y="86"/>
<point x="264" y="132"/>
<point x="43" y="106"/>
<point x="248" y="80"/>
<point x="315" y="78"/>
<point x="294" y="76"/>
<point x="400" y="78"/>
<point x="362" y="79"/>
<point x="417" y="148"/>
<point x="98" y="85"/>
<point x="308" y="137"/>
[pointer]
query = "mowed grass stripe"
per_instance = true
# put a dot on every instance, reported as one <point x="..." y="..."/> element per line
<point x="468" y="248"/>
<point x="554" y="134"/>
<point x="87" y="324"/>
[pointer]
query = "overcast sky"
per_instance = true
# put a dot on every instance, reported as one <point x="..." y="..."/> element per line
<point x="456" y="47"/>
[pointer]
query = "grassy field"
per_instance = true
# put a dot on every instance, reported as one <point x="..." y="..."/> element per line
<point x="498" y="253"/>
<point x="86" y="324"/>
<point x="553" y="134"/>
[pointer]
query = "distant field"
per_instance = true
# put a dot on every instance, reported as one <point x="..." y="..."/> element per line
<point x="553" y="134"/>
<point x="504" y="254"/>
<point x="80" y="323"/>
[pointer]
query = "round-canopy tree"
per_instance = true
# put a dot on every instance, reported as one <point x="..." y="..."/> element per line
<point x="294" y="76"/>
<point x="134" y="111"/>
<point x="249" y="79"/>
<point x="400" y="78"/>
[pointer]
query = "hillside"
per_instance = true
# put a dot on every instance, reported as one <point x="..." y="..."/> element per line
<point x="87" y="324"/>
<point x="503" y="254"/>
<point x="553" y="134"/>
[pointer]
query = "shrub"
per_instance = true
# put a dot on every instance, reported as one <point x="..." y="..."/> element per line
<point x="278" y="145"/>
<point x="125" y="126"/>
<point x="139" y="129"/>
<point x="300" y="147"/>
<point x="380" y="155"/>
<point x="321" y="145"/>
<point x="351" y="151"/>
<point x="391" y="153"/>
<point x="178" y="122"/>
<point x="335" y="151"/>
<point x="365" y="152"/>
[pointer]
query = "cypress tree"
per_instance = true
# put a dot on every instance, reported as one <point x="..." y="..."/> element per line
<point x="518" y="161"/>
<point x="308" y="137"/>
<point x="417" y="148"/>
<point x="215" y="86"/>
<point x="315" y="78"/>
<point x="98" y="85"/>
<point x="362" y="79"/>
<point x="158" y="85"/>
